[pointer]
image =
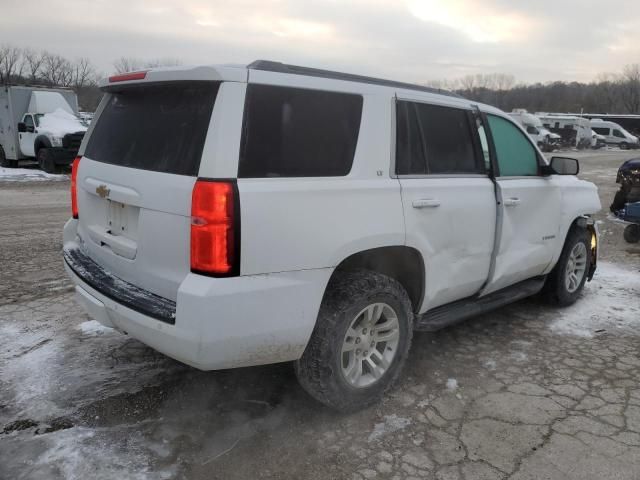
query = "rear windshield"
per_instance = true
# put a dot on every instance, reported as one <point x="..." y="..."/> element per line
<point x="155" y="127"/>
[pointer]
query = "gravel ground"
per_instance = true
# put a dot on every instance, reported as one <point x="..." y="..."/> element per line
<point x="526" y="392"/>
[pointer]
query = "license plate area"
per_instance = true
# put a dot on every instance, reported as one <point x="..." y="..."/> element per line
<point x="122" y="220"/>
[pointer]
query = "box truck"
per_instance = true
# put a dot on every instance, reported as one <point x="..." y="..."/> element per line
<point x="39" y="124"/>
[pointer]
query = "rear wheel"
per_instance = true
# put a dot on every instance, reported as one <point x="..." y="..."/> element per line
<point x="45" y="161"/>
<point x="5" y="162"/>
<point x="632" y="233"/>
<point x="567" y="279"/>
<point x="360" y="342"/>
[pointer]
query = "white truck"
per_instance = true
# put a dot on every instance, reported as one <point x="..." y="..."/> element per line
<point x="234" y="216"/>
<point x="39" y="124"/>
<point x="544" y="138"/>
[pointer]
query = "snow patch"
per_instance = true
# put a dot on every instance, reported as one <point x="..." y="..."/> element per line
<point x="452" y="384"/>
<point x="59" y="123"/>
<point x="27" y="175"/>
<point x="392" y="423"/>
<point x="93" y="327"/>
<point x="78" y="453"/>
<point x="611" y="302"/>
<point x="490" y="364"/>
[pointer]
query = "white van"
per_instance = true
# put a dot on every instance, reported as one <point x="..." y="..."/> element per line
<point x="614" y="134"/>
<point x="235" y="216"/>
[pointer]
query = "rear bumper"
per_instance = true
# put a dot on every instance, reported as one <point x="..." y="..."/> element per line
<point x="219" y="323"/>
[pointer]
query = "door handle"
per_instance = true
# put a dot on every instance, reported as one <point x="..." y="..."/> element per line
<point x="512" y="202"/>
<point x="426" y="203"/>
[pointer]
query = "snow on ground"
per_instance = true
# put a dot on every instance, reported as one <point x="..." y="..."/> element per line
<point x="452" y="384"/>
<point x="392" y="423"/>
<point x="611" y="302"/>
<point x="93" y="327"/>
<point x="80" y="453"/>
<point x="28" y="175"/>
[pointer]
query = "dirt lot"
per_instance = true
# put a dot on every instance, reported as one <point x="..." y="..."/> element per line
<point x="527" y="392"/>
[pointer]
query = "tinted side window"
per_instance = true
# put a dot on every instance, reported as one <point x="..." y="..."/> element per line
<point x="431" y="139"/>
<point x="516" y="155"/>
<point x="601" y="131"/>
<point x="293" y="132"/>
<point x="618" y="133"/>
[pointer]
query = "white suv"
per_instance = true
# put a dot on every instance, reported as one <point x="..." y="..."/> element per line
<point x="235" y="216"/>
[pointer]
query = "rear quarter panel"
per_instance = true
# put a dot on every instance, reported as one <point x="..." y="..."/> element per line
<point x="306" y="223"/>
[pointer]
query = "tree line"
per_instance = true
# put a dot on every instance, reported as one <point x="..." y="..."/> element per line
<point x="609" y="93"/>
<point x="617" y="93"/>
<point x="26" y="66"/>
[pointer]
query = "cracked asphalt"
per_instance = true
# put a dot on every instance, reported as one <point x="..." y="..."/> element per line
<point x="526" y="392"/>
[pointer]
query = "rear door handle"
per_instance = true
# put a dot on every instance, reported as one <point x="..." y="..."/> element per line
<point x="512" y="202"/>
<point x="426" y="203"/>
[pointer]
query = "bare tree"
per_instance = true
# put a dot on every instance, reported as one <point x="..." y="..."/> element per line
<point x="127" y="64"/>
<point x="33" y="62"/>
<point x="131" y="64"/>
<point x="10" y="63"/>
<point x="56" y="70"/>
<point x="630" y="88"/>
<point x="82" y="73"/>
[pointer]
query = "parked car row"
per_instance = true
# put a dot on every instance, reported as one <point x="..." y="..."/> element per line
<point x="558" y="130"/>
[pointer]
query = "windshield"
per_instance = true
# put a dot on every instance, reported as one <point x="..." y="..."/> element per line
<point x="37" y="118"/>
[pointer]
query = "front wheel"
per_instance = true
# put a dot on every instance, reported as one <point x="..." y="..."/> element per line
<point x="632" y="233"/>
<point x="567" y="279"/>
<point x="360" y="342"/>
<point x="45" y="161"/>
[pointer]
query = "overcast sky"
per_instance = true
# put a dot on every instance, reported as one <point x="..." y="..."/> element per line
<point x="418" y="41"/>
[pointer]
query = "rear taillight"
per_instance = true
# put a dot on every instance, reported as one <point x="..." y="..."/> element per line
<point x="74" y="187"/>
<point x="215" y="232"/>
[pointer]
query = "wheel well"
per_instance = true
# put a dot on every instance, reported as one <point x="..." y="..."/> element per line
<point x="583" y="222"/>
<point x="404" y="264"/>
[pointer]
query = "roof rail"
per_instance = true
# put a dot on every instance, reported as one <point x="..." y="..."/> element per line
<point x="279" y="67"/>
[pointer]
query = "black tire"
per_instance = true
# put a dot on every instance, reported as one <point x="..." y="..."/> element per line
<point x="624" y="146"/>
<point x="632" y="233"/>
<point x="45" y="162"/>
<point x="319" y="370"/>
<point x="5" y="162"/>
<point x="555" y="290"/>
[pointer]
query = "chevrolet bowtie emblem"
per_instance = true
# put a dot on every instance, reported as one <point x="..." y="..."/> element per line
<point x="103" y="191"/>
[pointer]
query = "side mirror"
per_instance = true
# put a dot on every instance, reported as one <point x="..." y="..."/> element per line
<point x="22" y="128"/>
<point x="564" y="166"/>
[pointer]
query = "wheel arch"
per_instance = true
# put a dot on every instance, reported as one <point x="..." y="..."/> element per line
<point x="586" y="222"/>
<point x="400" y="262"/>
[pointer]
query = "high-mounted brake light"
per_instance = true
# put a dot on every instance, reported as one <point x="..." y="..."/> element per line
<point x="128" y="76"/>
<point x="214" y="228"/>
<point x="74" y="187"/>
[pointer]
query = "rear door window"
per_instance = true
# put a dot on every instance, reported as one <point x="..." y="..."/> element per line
<point x="158" y="127"/>
<point x="294" y="132"/>
<point x="432" y="140"/>
<point x="516" y="155"/>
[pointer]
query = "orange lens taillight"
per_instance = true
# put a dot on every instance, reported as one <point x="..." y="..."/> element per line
<point x="214" y="232"/>
<point x="74" y="187"/>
